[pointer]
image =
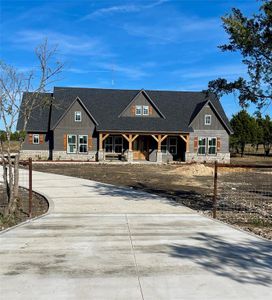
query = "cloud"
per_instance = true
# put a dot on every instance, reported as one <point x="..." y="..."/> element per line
<point x="176" y="30"/>
<point x="213" y="72"/>
<point x="121" y="9"/>
<point x="129" y="71"/>
<point x="67" y="44"/>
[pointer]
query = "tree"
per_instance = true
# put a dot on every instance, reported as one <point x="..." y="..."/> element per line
<point x="245" y="131"/>
<point x="252" y="38"/>
<point x="266" y="136"/>
<point x="12" y="86"/>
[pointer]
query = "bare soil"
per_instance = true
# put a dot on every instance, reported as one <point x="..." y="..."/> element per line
<point x="243" y="199"/>
<point x="39" y="207"/>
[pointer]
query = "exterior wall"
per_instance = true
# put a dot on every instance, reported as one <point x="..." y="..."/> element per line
<point x="140" y="100"/>
<point x="199" y="123"/>
<point x="68" y="126"/>
<point x="222" y="156"/>
<point x="29" y="146"/>
<point x="34" y="154"/>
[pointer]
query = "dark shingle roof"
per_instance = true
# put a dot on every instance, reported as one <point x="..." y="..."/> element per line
<point x="105" y="105"/>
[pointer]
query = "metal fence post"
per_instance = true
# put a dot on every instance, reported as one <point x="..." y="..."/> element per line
<point x="30" y="186"/>
<point x="215" y="189"/>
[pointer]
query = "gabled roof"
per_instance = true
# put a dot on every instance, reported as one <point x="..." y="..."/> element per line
<point x="105" y="105"/>
<point x="142" y="91"/>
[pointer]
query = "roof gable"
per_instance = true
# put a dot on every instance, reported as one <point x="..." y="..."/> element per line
<point x="141" y="98"/>
<point x="77" y="99"/>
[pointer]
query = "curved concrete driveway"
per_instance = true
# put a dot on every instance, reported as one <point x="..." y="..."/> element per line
<point x="104" y="242"/>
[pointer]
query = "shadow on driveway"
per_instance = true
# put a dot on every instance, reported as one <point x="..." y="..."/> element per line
<point x="244" y="262"/>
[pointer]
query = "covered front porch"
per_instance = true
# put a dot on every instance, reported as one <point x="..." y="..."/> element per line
<point x="157" y="147"/>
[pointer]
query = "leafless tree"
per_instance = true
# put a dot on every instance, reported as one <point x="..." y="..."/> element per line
<point x="12" y="86"/>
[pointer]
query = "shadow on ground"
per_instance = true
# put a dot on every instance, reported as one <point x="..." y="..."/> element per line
<point x="247" y="262"/>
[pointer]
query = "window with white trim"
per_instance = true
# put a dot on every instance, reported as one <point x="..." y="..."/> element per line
<point x="71" y="143"/>
<point x="82" y="143"/>
<point x="138" y="110"/>
<point x="36" y="139"/>
<point x="211" y="146"/>
<point x="201" y="146"/>
<point x="173" y="143"/>
<point x="77" y="116"/>
<point x="145" y="110"/>
<point x="208" y="119"/>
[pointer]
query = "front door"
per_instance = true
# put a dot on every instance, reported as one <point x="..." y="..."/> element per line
<point x="140" y="148"/>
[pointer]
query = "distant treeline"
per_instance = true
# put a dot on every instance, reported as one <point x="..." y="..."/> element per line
<point x="253" y="130"/>
<point x="14" y="136"/>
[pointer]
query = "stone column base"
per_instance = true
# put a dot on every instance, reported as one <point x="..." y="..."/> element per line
<point x="159" y="157"/>
<point x="130" y="156"/>
<point x="101" y="155"/>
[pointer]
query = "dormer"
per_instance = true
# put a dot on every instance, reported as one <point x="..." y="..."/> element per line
<point x="142" y="106"/>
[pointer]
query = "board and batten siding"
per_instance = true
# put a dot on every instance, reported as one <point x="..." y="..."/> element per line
<point x="43" y="145"/>
<point x="68" y="125"/>
<point x="199" y="122"/>
<point x="140" y="100"/>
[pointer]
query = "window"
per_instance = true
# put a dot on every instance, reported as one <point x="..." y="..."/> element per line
<point x="82" y="143"/>
<point x="212" y="146"/>
<point x="164" y="146"/>
<point x="109" y="144"/>
<point x="118" y="144"/>
<point x="36" y="139"/>
<point x="78" y="116"/>
<point x="202" y="146"/>
<point x="173" y="145"/>
<point x="138" y="111"/>
<point x="208" y="119"/>
<point x="71" y="143"/>
<point x="145" y="110"/>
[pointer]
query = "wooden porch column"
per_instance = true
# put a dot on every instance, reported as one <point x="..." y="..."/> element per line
<point x="186" y="139"/>
<point x="130" y="138"/>
<point x="102" y="137"/>
<point x="159" y="140"/>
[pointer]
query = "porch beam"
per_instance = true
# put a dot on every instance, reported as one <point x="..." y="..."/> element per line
<point x="164" y="137"/>
<point x="126" y="137"/>
<point x="186" y="140"/>
<point x="130" y="143"/>
<point x="159" y="142"/>
<point x="135" y="137"/>
<point x="155" y="138"/>
<point x="105" y="136"/>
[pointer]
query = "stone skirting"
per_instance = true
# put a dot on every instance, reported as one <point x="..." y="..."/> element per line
<point x="34" y="154"/>
<point x="219" y="157"/>
<point x="63" y="155"/>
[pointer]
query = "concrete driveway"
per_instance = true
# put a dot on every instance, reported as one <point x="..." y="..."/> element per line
<point x="103" y="242"/>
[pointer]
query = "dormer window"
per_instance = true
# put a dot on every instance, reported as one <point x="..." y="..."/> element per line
<point x="78" y="116"/>
<point x="145" y="110"/>
<point x="208" y="119"/>
<point x="138" y="111"/>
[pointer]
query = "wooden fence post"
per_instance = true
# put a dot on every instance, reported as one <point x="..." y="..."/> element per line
<point x="215" y="189"/>
<point x="30" y="186"/>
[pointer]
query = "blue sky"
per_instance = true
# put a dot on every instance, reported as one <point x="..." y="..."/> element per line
<point x="156" y="44"/>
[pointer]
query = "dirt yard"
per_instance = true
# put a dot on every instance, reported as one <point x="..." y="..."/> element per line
<point x="40" y="206"/>
<point x="190" y="185"/>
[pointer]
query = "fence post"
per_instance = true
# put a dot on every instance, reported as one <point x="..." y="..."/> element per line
<point x="30" y="186"/>
<point x="215" y="189"/>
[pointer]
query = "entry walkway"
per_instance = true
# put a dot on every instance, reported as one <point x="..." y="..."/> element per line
<point x="103" y="242"/>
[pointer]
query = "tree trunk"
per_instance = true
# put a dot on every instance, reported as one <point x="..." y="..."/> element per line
<point x="16" y="176"/>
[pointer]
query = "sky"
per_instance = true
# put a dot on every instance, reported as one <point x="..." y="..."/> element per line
<point x="154" y="44"/>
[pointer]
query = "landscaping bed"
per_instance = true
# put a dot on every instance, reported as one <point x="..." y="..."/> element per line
<point x="190" y="185"/>
<point x="39" y="207"/>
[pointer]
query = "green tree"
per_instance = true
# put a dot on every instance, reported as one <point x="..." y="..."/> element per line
<point x="267" y="134"/>
<point x="245" y="131"/>
<point x="252" y="39"/>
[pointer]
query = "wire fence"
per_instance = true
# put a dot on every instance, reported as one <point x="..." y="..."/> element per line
<point x="243" y="194"/>
<point x="24" y="197"/>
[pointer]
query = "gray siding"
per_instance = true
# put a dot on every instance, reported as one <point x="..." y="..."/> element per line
<point x="199" y="123"/>
<point x="68" y="125"/>
<point x="222" y="134"/>
<point x="29" y="146"/>
<point x="140" y="100"/>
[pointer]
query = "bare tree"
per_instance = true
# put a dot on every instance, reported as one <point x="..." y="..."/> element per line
<point x="12" y="86"/>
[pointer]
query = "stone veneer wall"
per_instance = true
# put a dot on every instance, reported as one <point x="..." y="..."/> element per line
<point x="219" y="157"/>
<point x="57" y="155"/>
